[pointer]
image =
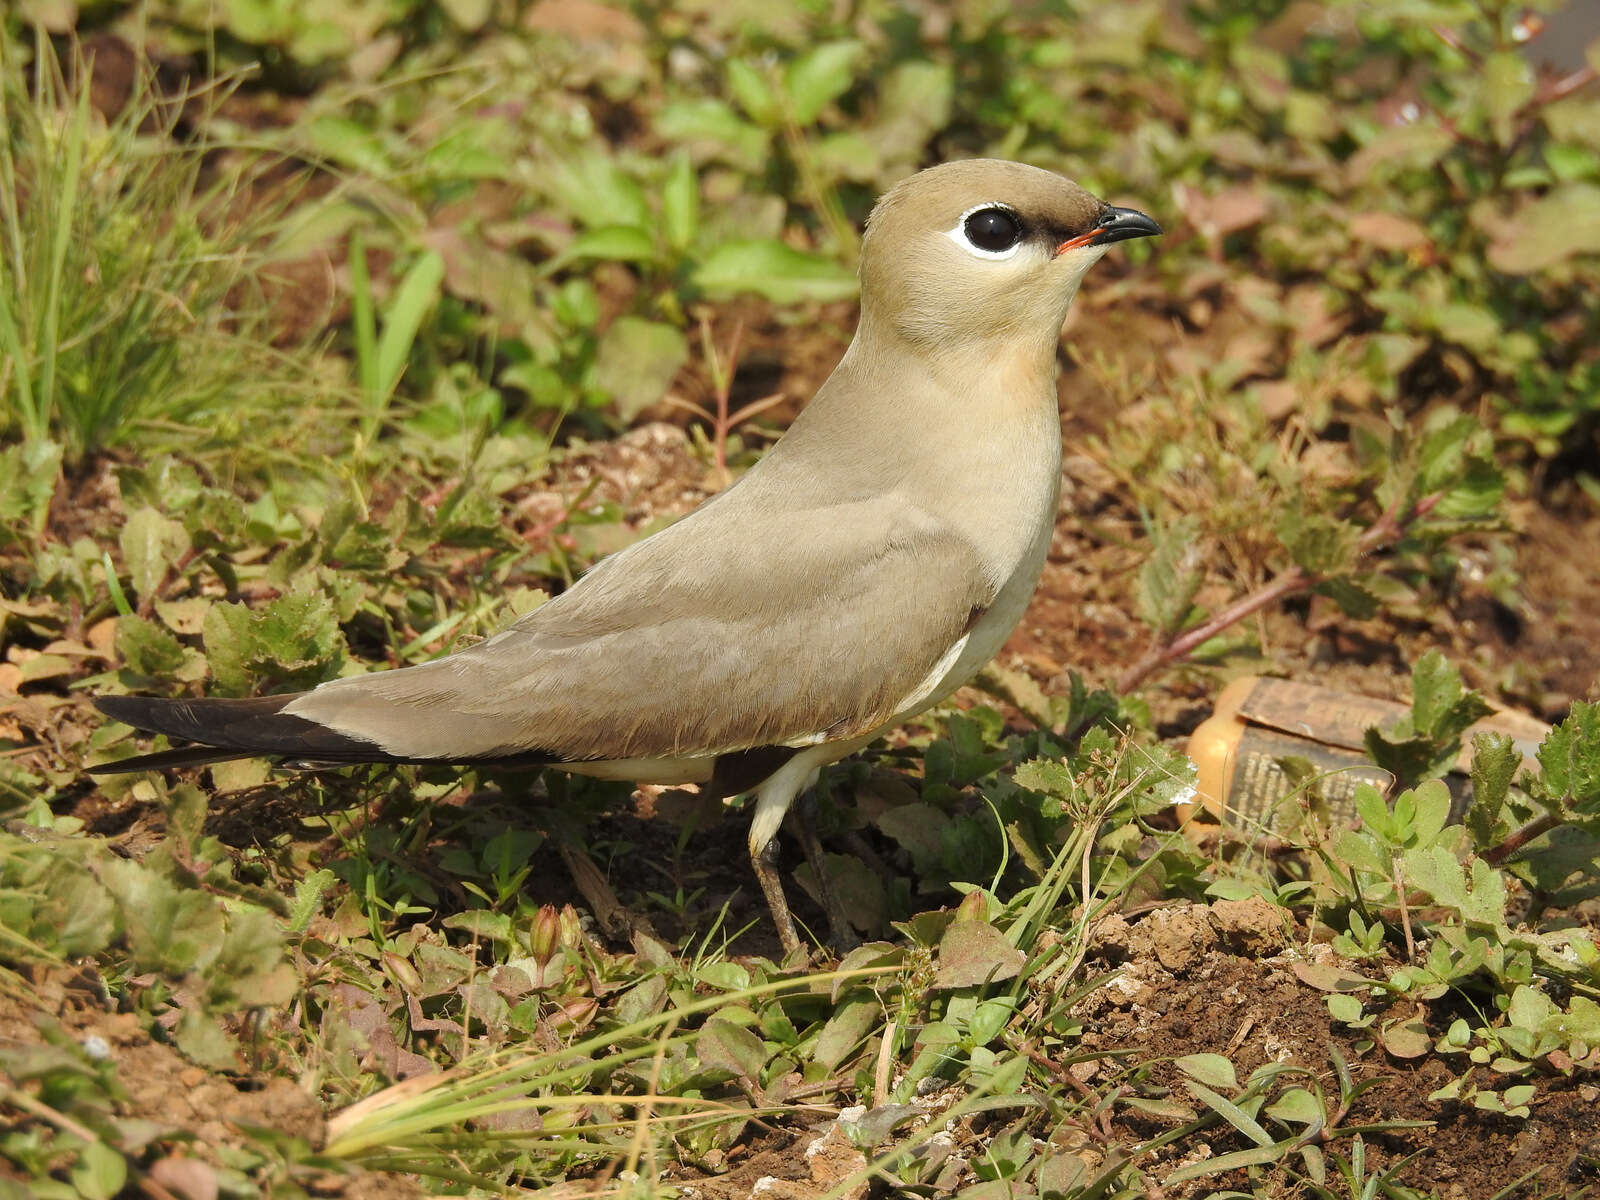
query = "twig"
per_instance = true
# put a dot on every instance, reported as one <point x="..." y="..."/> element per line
<point x="1296" y="579"/>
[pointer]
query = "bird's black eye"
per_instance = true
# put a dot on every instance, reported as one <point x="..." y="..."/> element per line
<point x="993" y="229"/>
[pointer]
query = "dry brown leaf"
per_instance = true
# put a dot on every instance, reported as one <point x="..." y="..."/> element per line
<point x="1225" y="212"/>
<point x="1388" y="231"/>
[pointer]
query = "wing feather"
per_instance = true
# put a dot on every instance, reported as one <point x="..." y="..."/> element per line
<point x="711" y="636"/>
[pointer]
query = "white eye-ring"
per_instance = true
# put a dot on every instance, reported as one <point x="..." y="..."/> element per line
<point x="989" y="230"/>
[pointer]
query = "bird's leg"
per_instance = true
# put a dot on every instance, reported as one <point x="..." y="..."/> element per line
<point x="773" y="799"/>
<point x="765" y="861"/>
<point x="840" y="932"/>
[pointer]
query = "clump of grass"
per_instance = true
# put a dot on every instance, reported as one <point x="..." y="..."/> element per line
<point x="129" y="251"/>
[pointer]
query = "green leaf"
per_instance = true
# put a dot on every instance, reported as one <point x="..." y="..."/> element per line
<point x="228" y="642"/>
<point x="636" y="362"/>
<point x="597" y="192"/>
<point x="100" y="1172"/>
<point x="350" y="142"/>
<point x="1475" y="494"/>
<point x="1570" y="757"/>
<point x="1444" y="451"/>
<point x="818" y="77"/>
<point x="1211" y="1069"/>
<point x="295" y="640"/>
<point x="1264" y="1155"/>
<point x="973" y="953"/>
<point x="1440" y="708"/>
<point x="772" y="269"/>
<point x="1561" y="224"/>
<point x="308" y="894"/>
<point x="203" y="1040"/>
<point x="1171" y="575"/>
<point x="1353" y="599"/>
<point x="251" y="969"/>
<point x="851" y="1022"/>
<point x="1320" y="545"/>
<point x="168" y="929"/>
<point x="1231" y="1112"/>
<point x="1342" y="1007"/>
<point x="1530" y="1009"/>
<point x="729" y="976"/>
<point x="711" y="129"/>
<point x="151" y="544"/>
<point x="1407" y="759"/>
<point x="918" y="828"/>
<point x="468" y="15"/>
<point x="1495" y="759"/>
<point x="748" y="85"/>
<point x="147" y="649"/>
<point x="27" y="480"/>
<point x="418" y="291"/>
<point x="1373" y="810"/>
<point x="610" y="243"/>
<point x="1505" y="84"/>
<point x="914" y="102"/>
<point x="847" y="155"/>
<point x="1431" y="813"/>
<point x="1430" y="738"/>
<point x="1051" y="776"/>
<point x="1478" y="894"/>
<point x="1297" y="1106"/>
<point x="680" y="203"/>
<point x="724" y="1044"/>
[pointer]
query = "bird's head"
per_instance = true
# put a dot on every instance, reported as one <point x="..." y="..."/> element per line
<point x="983" y="251"/>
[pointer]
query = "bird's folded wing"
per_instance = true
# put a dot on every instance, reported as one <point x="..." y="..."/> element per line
<point x="711" y="636"/>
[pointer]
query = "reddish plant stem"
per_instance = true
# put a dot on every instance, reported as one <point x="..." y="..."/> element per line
<point x="723" y="424"/>
<point x="1517" y="839"/>
<point x="1561" y="88"/>
<point x="1291" y="582"/>
<point x="147" y="604"/>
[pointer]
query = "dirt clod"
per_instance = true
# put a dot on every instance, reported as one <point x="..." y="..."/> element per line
<point x="1252" y="927"/>
<point x="1178" y="937"/>
<point x="1111" y="939"/>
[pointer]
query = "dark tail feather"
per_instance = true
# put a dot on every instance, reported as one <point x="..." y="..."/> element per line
<point x="228" y="729"/>
<point x="161" y="760"/>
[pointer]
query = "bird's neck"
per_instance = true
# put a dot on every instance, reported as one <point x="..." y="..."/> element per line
<point x="889" y="391"/>
<point x="973" y="435"/>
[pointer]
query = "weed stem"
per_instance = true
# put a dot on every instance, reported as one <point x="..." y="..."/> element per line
<point x="1386" y="529"/>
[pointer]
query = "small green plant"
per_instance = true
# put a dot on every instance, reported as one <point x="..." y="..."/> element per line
<point x="1446" y="887"/>
<point x="1283" y="1109"/>
<point x="1409" y="493"/>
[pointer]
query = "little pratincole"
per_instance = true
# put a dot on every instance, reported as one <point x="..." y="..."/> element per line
<point x="867" y="566"/>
